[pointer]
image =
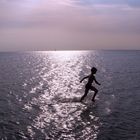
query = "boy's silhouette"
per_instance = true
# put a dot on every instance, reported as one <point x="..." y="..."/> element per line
<point x="89" y="86"/>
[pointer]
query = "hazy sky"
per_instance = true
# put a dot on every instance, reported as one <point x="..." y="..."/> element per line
<point x="69" y="24"/>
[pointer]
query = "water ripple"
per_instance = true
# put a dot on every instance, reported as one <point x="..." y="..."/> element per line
<point x="61" y="112"/>
<point x="40" y="93"/>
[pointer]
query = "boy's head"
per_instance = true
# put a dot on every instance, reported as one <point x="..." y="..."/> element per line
<point x="93" y="70"/>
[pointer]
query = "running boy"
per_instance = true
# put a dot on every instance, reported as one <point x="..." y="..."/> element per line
<point x="89" y="86"/>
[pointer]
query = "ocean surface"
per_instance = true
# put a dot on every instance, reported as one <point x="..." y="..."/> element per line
<point x="40" y="93"/>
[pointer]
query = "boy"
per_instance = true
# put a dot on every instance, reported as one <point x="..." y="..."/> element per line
<point x="89" y="86"/>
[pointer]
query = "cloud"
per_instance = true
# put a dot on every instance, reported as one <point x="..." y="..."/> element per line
<point x="133" y="3"/>
<point x="64" y="24"/>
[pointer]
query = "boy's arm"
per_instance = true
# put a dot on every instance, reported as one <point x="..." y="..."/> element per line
<point x="96" y="81"/>
<point x="84" y="78"/>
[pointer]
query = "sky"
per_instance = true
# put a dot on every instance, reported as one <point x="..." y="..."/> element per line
<point x="69" y="24"/>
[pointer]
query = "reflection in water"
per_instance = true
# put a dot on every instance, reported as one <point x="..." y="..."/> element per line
<point x="40" y="93"/>
<point x="61" y="114"/>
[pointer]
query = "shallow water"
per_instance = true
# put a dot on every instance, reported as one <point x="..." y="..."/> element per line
<point x="40" y="93"/>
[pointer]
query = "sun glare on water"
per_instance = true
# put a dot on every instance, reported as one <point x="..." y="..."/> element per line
<point x="59" y="104"/>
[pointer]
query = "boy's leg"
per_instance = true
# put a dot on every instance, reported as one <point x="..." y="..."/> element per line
<point x="96" y="91"/>
<point x="86" y="92"/>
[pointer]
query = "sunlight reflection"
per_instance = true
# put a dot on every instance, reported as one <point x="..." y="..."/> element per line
<point x="65" y="55"/>
<point x="58" y="105"/>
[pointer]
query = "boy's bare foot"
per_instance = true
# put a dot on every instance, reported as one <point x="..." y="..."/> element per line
<point x="93" y="100"/>
<point x="81" y="100"/>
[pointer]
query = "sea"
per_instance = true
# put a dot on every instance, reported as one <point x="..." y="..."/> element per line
<point x="40" y="95"/>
